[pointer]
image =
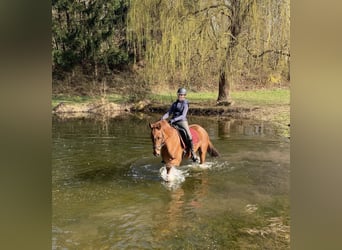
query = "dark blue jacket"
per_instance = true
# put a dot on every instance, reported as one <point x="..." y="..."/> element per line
<point x="179" y="110"/>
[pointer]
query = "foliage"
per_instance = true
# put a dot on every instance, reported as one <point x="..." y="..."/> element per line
<point x="172" y="42"/>
<point x="88" y="33"/>
<point x="193" y="41"/>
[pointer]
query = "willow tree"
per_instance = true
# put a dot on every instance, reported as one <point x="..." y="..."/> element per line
<point x="201" y="41"/>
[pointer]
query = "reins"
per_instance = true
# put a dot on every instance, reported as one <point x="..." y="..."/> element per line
<point x="162" y="144"/>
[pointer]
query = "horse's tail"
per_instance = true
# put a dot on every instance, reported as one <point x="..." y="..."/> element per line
<point x="212" y="150"/>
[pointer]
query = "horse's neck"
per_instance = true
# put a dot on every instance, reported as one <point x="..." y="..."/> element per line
<point x="169" y="132"/>
<point x="171" y="137"/>
<point x="172" y="142"/>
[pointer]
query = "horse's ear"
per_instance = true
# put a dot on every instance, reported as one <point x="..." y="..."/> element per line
<point x="150" y="125"/>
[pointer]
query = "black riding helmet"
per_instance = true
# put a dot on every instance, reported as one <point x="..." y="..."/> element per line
<point x="181" y="91"/>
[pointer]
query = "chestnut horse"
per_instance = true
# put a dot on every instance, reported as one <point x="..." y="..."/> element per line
<point x="167" y="143"/>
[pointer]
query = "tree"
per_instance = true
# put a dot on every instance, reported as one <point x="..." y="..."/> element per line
<point x="206" y="41"/>
<point x="88" y="34"/>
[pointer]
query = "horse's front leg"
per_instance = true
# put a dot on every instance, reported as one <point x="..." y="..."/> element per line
<point x="170" y="165"/>
<point x="173" y="163"/>
<point x="168" y="168"/>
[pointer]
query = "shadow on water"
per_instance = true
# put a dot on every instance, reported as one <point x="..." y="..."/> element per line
<point x="109" y="191"/>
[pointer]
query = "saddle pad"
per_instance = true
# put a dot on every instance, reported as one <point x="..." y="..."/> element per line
<point x="194" y="135"/>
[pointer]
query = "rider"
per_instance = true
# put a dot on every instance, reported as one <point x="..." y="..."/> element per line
<point x="179" y="110"/>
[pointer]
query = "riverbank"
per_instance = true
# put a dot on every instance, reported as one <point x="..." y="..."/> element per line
<point x="264" y="105"/>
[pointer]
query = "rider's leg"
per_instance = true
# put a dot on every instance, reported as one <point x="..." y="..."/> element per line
<point x="185" y="125"/>
<point x="193" y="154"/>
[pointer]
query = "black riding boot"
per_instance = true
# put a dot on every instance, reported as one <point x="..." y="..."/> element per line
<point x="193" y="155"/>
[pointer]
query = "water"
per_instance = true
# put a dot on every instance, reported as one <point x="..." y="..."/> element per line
<point x="109" y="191"/>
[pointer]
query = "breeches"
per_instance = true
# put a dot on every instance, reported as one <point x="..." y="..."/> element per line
<point x="185" y="125"/>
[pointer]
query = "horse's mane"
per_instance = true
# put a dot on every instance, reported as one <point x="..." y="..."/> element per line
<point x="164" y="123"/>
<point x="167" y="128"/>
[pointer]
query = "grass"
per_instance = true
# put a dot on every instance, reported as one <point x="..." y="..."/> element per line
<point x="85" y="99"/>
<point x="262" y="97"/>
<point x="250" y="98"/>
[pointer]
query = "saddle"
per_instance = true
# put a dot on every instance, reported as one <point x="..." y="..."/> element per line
<point x="184" y="139"/>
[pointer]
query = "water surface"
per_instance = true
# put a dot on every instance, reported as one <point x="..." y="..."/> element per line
<point x="108" y="192"/>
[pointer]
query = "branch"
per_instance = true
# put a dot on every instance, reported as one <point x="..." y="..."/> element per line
<point x="210" y="7"/>
<point x="280" y="52"/>
<point x="246" y="11"/>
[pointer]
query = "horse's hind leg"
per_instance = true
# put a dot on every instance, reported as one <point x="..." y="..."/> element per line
<point x="203" y="153"/>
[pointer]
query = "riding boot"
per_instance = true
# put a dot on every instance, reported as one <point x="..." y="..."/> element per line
<point x="193" y="155"/>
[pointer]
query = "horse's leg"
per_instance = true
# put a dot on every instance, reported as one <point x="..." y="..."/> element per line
<point x="174" y="162"/>
<point x="168" y="168"/>
<point x="203" y="153"/>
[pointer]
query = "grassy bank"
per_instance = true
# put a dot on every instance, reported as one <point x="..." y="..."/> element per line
<point x="268" y="105"/>
<point x="85" y="99"/>
<point x="249" y="98"/>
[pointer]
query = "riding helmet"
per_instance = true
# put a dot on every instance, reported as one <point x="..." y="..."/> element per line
<point x="181" y="91"/>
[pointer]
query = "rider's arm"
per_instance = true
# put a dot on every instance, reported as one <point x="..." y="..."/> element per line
<point x="169" y="112"/>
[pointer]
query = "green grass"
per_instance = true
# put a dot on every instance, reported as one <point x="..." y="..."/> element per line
<point x="193" y="97"/>
<point x="84" y="99"/>
<point x="254" y="98"/>
<point x="262" y="97"/>
<point x="247" y="98"/>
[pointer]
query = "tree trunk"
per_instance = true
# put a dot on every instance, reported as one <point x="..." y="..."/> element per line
<point x="224" y="90"/>
<point x="235" y="29"/>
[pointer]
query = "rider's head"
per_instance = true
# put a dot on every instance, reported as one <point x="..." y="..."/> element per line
<point x="181" y="91"/>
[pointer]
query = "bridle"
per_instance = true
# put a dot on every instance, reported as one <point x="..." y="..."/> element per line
<point x="162" y="144"/>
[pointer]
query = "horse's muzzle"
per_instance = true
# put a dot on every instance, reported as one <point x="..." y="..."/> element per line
<point x="156" y="150"/>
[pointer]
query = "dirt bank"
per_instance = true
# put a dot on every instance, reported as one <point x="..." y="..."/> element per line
<point x="275" y="113"/>
<point x="279" y="115"/>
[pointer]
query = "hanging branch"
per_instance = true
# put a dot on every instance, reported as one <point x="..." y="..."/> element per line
<point x="268" y="51"/>
<point x="280" y="52"/>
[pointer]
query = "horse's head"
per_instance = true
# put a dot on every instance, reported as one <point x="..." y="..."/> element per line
<point x="157" y="137"/>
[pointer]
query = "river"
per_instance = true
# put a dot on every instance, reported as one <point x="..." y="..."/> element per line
<point x="107" y="190"/>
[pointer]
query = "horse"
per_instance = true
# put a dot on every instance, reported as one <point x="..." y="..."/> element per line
<point x="168" y="143"/>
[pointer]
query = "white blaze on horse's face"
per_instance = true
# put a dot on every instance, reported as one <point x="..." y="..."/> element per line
<point x="157" y="138"/>
<point x="157" y="145"/>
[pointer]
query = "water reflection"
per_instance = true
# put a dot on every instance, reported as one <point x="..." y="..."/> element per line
<point x="243" y="127"/>
<point x="186" y="202"/>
